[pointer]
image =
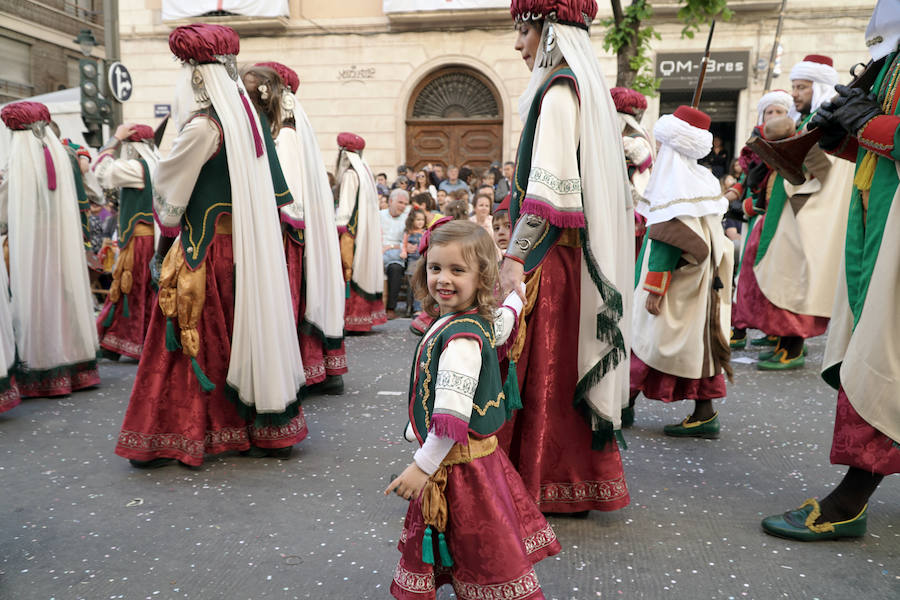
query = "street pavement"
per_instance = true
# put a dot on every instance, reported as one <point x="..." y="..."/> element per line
<point x="78" y="522"/>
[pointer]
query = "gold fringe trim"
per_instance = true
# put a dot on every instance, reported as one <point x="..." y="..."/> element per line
<point x="866" y="171"/>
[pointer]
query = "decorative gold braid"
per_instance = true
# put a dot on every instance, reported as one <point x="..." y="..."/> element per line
<point x="196" y="245"/>
<point x="815" y="514"/>
<point x="532" y="287"/>
<point x="680" y="200"/>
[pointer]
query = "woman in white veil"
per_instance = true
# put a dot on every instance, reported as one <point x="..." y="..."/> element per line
<point x="573" y="232"/>
<point x="52" y="308"/>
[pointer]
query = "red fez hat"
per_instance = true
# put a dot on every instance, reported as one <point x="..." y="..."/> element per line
<point x="201" y="42"/>
<point x="579" y="13"/>
<point x="819" y="58"/>
<point x="692" y="116"/>
<point x="504" y="205"/>
<point x="351" y="142"/>
<point x="628" y="100"/>
<point x="141" y="132"/>
<point x="19" y="115"/>
<point x="288" y="75"/>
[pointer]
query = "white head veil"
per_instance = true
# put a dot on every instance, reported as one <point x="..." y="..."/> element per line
<point x="609" y="217"/>
<point x="265" y="366"/>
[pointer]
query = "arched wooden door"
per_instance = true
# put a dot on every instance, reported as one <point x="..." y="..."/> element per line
<point x="454" y="118"/>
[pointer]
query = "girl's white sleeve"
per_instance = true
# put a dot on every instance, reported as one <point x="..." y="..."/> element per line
<point x="454" y="392"/>
<point x="506" y="317"/>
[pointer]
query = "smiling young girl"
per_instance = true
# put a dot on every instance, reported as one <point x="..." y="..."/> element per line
<point x="470" y="521"/>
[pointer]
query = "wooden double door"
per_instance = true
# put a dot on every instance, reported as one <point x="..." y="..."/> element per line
<point x="475" y="144"/>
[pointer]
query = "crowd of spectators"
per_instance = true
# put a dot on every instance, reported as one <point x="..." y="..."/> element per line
<point x="415" y="199"/>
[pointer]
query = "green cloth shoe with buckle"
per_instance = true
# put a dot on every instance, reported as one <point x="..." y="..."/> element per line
<point x="708" y="429"/>
<point x="800" y="524"/>
<point x="738" y="343"/>
<point x="768" y="340"/>
<point x="768" y="354"/>
<point x="780" y="362"/>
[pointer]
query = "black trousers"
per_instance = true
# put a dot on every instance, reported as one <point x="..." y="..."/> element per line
<point x="394" y="274"/>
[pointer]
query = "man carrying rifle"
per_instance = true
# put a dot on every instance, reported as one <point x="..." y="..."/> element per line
<point x="861" y="361"/>
<point x="798" y="253"/>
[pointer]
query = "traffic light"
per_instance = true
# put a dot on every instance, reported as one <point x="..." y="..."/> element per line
<point x="95" y="109"/>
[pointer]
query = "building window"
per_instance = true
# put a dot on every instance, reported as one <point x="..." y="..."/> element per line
<point x="456" y="95"/>
<point x="15" y="68"/>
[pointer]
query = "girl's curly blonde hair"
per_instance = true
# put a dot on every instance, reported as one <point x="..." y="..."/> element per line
<point x="480" y="254"/>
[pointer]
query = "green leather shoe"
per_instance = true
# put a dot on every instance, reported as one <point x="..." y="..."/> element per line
<point x="780" y="362"/>
<point x="767" y="354"/>
<point x="767" y="340"/>
<point x="738" y="343"/>
<point x="708" y="429"/>
<point x="800" y="524"/>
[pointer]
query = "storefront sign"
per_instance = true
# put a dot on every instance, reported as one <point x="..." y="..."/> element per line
<point x="725" y="70"/>
<point x="161" y="110"/>
<point x="394" y="6"/>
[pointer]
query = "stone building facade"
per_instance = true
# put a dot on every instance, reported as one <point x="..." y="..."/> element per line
<point x="36" y="44"/>
<point x="422" y="83"/>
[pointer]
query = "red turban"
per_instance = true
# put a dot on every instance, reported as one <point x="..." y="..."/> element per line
<point x="19" y="115"/>
<point x="819" y="59"/>
<point x="628" y="100"/>
<point x="201" y="42"/>
<point x="141" y="132"/>
<point x="504" y="205"/>
<point x="288" y="75"/>
<point x="568" y="12"/>
<point x="351" y="142"/>
<point x="692" y="116"/>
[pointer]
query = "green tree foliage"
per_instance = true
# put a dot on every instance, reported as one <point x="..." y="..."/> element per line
<point x="629" y="37"/>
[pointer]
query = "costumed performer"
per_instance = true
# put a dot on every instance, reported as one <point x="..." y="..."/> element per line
<point x="680" y="344"/>
<point x="861" y="356"/>
<point x="221" y="367"/>
<point x="311" y="249"/>
<point x="125" y="318"/>
<point x="44" y="206"/>
<point x="798" y="249"/>
<point x="747" y="201"/>
<point x="9" y="392"/>
<point x="359" y="230"/>
<point x="573" y="232"/>
<point x="640" y="151"/>
<point x="470" y="523"/>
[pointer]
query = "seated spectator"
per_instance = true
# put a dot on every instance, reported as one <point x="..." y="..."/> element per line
<point x="464" y="196"/>
<point x="424" y="202"/>
<point x="504" y="184"/>
<point x="457" y="208"/>
<point x="393" y="223"/>
<point x="381" y="184"/>
<point x="442" y="198"/>
<point x="383" y="200"/>
<point x="500" y="225"/>
<point x="482" y="212"/>
<point x="435" y="174"/>
<point x="453" y="182"/>
<point x="422" y="185"/>
<point x="412" y="235"/>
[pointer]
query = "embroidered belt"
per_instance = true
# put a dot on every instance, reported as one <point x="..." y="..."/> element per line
<point x="142" y="230"/>
<point x="570" y="238"/>
<point x="223" y="224"/>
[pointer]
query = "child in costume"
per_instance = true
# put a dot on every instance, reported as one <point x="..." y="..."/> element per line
<point x="471" y="522"/>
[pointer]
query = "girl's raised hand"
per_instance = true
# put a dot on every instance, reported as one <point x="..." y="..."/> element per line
<point x="410" y="482"/>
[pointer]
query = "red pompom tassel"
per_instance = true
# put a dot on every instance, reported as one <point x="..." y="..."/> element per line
<point x="51" y="170"/>
<point x="257" y="139"/>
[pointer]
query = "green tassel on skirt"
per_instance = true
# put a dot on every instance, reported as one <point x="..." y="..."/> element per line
<point x="427" y="547"/>
<point x="125" y="312"/>
<point x="172" y="342"/>
<point x="108" y="321"/>
<point x="446" y="559"/>
<point x="511" y="391"/>
<point x="202" y="379"/>
<point x="347" y="290"/>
